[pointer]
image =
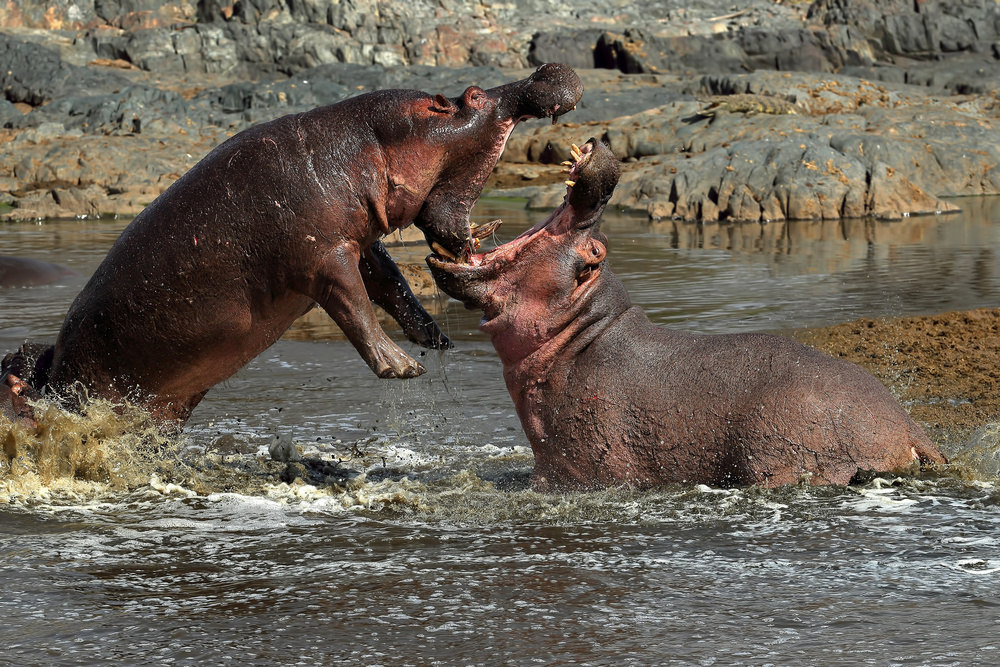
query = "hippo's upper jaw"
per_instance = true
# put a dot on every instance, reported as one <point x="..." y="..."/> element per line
<point x="481" y="123"/>
<point x="490" y="281"/>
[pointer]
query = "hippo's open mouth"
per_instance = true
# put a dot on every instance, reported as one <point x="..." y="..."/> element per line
<point x="472" y="277"/>
<point x="578" y="185"/>
<point x="593" y="174"/>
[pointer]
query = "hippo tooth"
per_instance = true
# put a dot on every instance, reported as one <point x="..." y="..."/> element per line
<point x="567" y="163"/>
<point x="570" y="183"/>
<point x="441" y="250"/>
<point x="465" y="257"/>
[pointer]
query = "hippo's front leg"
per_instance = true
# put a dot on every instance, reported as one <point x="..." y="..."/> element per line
<point x="338" y="287"/>
<point x="388" y="288"/>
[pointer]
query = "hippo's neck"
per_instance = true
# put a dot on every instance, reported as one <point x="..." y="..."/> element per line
<point x="547" y="368"/>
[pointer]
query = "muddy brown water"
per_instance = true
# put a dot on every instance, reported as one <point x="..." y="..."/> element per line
<point x="125" y="551"/>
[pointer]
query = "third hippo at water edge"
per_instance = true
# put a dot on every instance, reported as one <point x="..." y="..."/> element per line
<point x="24" y="272"/>
<point x="607" y="398"/>
<point x="280" y="217"/>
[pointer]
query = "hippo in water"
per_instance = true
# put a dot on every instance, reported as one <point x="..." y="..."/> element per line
<point x="25" y="272"/>
<point x="607" y="398"/>
<point x="280" y="217"/>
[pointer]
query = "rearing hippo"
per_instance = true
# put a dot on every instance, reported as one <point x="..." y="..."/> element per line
<point x="607" y="398"/>
<point x="280" y="217"/>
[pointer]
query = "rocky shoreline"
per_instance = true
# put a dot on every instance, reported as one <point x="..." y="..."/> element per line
<point x="732" y="111"/>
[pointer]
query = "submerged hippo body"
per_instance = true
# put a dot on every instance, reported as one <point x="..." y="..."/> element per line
<point x="280" y="217"/>
<point x="25" y="272"/>
<point x="607" y="398"/>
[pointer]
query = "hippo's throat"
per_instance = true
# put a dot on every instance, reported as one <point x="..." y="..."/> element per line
<point x="533" y="378"/>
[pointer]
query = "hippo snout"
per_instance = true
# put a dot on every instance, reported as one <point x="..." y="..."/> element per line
<point x="552" y="90"/>
<point x="598" y="172"/>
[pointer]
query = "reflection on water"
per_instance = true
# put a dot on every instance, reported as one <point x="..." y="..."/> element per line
<point x="436" y="552"/>
<point x="800" y="274"/>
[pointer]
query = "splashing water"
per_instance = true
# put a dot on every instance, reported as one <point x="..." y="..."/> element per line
<point x="105" y="449"/>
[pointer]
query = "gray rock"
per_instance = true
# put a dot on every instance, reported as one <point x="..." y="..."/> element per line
<point x="8" y="113"/>
<point x="576" y="49"/>
<point x="915" y="29"/>
<point x="854" y="148"/>
<point x="34" y="74"/>
<point x="283" y="449"/>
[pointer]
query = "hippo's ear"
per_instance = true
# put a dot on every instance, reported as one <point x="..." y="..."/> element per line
<point x="443" y="105"/>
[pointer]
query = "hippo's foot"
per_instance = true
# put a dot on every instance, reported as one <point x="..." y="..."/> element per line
<point x="430" y="337"/>
<point x="22" y="374"/>
<point x="30" y="363"/>
<point x="391" y="362"/>
<point x="404" y="371"/>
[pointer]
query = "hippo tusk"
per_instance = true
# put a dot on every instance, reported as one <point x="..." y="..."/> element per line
<point x="441" y="250"/>
<point x="570" y="183"/>
<point x="555" y="116"/>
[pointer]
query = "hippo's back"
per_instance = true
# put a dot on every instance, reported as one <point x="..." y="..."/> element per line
<point x="737" y="408"/>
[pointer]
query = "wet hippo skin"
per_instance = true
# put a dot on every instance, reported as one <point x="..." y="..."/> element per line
<point x="606" y="398"/>
<point x="281" y="217"/>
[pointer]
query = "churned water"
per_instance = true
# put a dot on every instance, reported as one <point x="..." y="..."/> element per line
<point x="416" y="540"/>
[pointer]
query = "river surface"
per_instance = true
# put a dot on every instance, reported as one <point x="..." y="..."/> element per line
<point x="434" y="551"/>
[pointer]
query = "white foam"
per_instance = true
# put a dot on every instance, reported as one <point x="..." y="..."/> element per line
<point x="975" y="566"/>
<point x="169" y="488"/>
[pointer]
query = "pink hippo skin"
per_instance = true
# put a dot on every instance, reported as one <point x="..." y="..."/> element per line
<point x="280" y="217"/>
<point x="607" y="398"/>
